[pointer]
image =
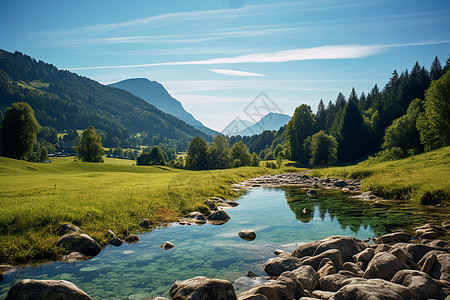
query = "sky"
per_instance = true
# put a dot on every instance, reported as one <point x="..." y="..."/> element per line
<point x="233" y="59"/>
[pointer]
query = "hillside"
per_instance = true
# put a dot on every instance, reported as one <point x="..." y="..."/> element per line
<point x="154" y="93"/>
<point x="271" y="121"/>
<point x="235" y="127"/>
<point x="64" y="100"/>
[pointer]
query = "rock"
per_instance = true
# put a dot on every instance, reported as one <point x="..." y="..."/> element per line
<point x="281" y="253"/>
<point x="161" y="298"/>
<point x="348" y="246"/>
<point x="211" y="204"/>
<point x="247" y="234"/>
<point x="340" y="183"/>
<point x="427" y="263"/>
<point x="429" y="233"/>
<point x="307" y="276"/>
<point x="353" y="268"/>
<point x="278" y="265"/>
<point x="364" y="257"/>
<point x="326" y="267"/>
<point x="307" y="249"/>
<point x="67" y="228"/>
<point x="116" y="242"/>
<point x="314" y="261"/>
<point x="417" y="251"/>
<point x="419" y="284"/>
<point x="404" y="257"/>
<point x="73" y="257"/>
<point x="322" y="294"/>
<point x="396" y="237"/>
<point x="446" y="225"/>
<point x="254" y="297"/>
<point x="381" y="248"/>
<point x="312" y="193"/>
<point x="332" y="282"/>
<point x="167" y="245"/>
<point x="232" y="203"/>
<point x="372" y="289"/>
<point x="79" y="243"/>
<point x="285" y="287"/>
<point x="441" y="269"/>
<point x="437" y="243"/>
<point x="111" y="233"/>
<point x="202" y="288"/>
<point x="219" y="215"/>
<point x="384" y="265"/>
<point x="432" y="226"/>
<point x="252" y="274"/>
<point x="132" y="239"/>
<point x="145" y="223"/>
<point x="46" y="289"/>
<point x="196" y="217"/>
<point x="6" y="269"/>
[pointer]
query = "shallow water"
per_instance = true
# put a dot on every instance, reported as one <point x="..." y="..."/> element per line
<point x="144" y="270"/>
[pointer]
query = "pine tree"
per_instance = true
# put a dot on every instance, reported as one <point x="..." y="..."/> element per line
<point x="298" y="129"/>
<point x="436" y="69"/>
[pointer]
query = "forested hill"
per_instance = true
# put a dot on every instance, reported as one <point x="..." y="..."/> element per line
<point x="64" y="100"/>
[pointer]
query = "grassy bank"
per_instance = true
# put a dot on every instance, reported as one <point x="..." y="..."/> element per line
<point x="423" y="178"/>
<point x="36" y="198"/>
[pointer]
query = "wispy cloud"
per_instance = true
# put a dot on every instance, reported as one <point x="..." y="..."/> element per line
<point x="235" y="73"/>
<point x="323" y="52"/>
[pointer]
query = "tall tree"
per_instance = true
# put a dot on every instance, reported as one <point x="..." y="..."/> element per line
<point x="18" y="132"/>
<point x="197" y="155"/>
<point x="298" y="129"/>
<point x="320" y="117"/>
<point x="434" y="123"/>
<point x="435" y="69"/>
<point x="90" y="148"/>
<point x="239" y="152"/>
<point x="219" y="153"/>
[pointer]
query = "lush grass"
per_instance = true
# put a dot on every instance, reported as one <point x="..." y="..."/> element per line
<point x="423" y="178"/>
<point x="36" y="198"/>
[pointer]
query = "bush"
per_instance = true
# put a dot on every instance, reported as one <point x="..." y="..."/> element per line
<point x="271" y="165"/>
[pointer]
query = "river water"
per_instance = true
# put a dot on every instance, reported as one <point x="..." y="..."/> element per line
<point x="144" y="270"/>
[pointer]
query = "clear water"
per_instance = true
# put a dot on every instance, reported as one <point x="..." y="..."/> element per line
<point x="144" y="270"/>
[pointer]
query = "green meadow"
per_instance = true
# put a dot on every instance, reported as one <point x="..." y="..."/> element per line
<point x="36" y="198"/>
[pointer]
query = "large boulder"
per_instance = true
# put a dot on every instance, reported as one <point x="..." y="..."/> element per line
<point x="202" y="288"/>
<point x="419" y="284"/>
<point x="79" y="243"/>
<point x="67" y="228"/>
<point x="326" y="267"/>
<point x="405" y="257"/>
<point x="332" y="283"/>
<point x="307" y="276"/>
<point x="314" y="261"/>
<point x="417" y="251"/>
<point x="30" y="289"/>
<point x="353" y="268"/>
<point x="441" y="268"/>
<point x="285" y="287"/>
<point x="195" y="216"/>
<point x="278" y="265"/>
<point x="372" y="289"/>
<point x="364" y="257"/>
<point x="384" y="265"/>
<point x="219" y="215"/>
<point x="348" y="246"/>
<point x="396" y="237"/>
<point x="247" y="234"/>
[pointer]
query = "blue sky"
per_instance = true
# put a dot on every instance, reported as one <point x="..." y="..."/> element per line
<point x="216" y="56"/>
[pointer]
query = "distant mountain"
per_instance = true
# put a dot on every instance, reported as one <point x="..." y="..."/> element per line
<point x="236" y="127"/>
<point x="64" y="100"/>
<point x="154" y="93"/>
<point x="271" y="121"/>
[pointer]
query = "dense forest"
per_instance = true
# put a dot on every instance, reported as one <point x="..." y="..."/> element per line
<point x="66" y="102"/>
<point x="395" y="119"/>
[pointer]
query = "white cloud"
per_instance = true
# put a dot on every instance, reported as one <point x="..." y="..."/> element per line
<point x="235" y="72"/>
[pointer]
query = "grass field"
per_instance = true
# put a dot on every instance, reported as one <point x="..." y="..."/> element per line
<point x="36" y="198"/>
<point x="423" y="178"/>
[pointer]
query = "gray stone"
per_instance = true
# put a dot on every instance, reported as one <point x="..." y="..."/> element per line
<point x="427" y="263"/>
<point x="167" y="245"/>
<point x="429" y="233"/>
<point x="340" y="183"/>
<point x="405" y="257"/>
<point x="348" y="246"/>
<point x="202" y="288"/>
<point x="353" y="268"/>
<point x="312" y="193"/>
<point x="146" y="223"/>
<point x="372" y="289"/>
<point x="441" y="269"/>
<point x="332" y="283"/>
<point x="396" y="237"/>
<point x="132" y="239"/>
<point x="314" y="261"/>
<point x="116" y="242"/>
<point x="67" y="228"/>
<point x="326" y="267"/>
<point x="285" y="287"/>
<point x="219" y="215"/>
<point x="247" y="234"/>
<point x="6" y="269"/>
<point x="318" y="294"/>
<point x="419" y="284"/>
<point x="278" y="265"/>
<point x="281" y="253"/>
<point x="384" y="265"/>
<point x="364" y="257"/>
<point x="307" y="276"/>
<point x="79" y="243"/>
<point x="195" y="216"/>
<point x="30" y="289"/>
